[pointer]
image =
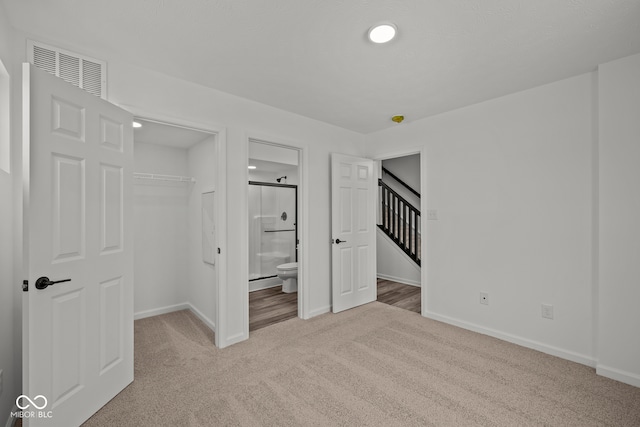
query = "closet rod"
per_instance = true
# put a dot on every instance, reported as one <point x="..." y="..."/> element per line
<point x="159" y="177"/>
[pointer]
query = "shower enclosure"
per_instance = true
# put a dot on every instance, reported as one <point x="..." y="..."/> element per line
<point x="273" y="231"/>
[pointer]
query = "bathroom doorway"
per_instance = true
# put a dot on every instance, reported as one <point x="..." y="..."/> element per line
<point x="273" y="231"/>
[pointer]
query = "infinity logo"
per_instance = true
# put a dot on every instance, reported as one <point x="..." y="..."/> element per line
<point x="22" y="396"/>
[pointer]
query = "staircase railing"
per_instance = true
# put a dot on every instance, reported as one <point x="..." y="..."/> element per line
<point x="401" y="182"/>
<point x="400" y="221"/>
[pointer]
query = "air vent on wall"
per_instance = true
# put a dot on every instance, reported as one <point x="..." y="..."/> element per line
<point x="79" y="70"/>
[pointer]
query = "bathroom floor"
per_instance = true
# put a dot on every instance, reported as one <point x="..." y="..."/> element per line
<point x="270" y="306"/>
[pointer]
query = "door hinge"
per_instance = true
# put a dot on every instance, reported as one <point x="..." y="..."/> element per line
<point x="218" y="250"/>
<point x="25" y="286"/>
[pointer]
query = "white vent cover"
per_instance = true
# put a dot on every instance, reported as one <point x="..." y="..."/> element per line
<point x="86" y="73"/>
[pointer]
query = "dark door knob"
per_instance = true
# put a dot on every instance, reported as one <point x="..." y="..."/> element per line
<point x="338" y="241"/>
<point x="43" y="282"/>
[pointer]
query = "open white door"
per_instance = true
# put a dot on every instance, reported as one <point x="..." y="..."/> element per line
<point x="353" y="230"/>
<point x="78" y="334"/>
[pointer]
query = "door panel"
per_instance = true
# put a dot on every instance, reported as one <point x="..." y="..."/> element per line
<point x="346" y="267"/>
<point x="77" y="335"/>
<point x="353" y="231"/>
<point x="111" y="338"/>
<point x="68" y="118"/>
<point x="111" y="199"/>
<point x="68" y="200"/>
<point x="364" y="276"/>
<point x="345" y="210"/>
<point x="68" y="345"/>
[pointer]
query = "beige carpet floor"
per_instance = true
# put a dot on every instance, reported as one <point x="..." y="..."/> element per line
<point x="375" y="365"/>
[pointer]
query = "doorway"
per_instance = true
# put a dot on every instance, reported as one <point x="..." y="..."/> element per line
<point x="174" y="216"/>
<point x="275" y="284"/>
<point x="399" y="231"/>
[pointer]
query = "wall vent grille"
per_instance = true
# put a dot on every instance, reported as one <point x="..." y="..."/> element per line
<point x="79" y="70"/>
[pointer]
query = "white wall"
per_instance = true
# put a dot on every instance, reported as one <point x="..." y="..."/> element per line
<point x="393" y="264"/>
<point x="272" y="153"/>
<point x="10" y="294"/>
<point x="407" y="168"/>
<point x="291" y="172"/>
<point x="511" y="180"/>
<point x="619" y="219"/>
<point x="241" y="119"/>
<point x="161" y="218"/>
<point x="202" y="276"/>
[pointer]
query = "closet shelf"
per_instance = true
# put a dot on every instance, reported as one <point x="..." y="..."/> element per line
<point x="159" y="177"/>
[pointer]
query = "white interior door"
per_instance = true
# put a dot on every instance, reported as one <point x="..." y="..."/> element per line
<point x="77" y="335"/>
<point x="353" y="231"/>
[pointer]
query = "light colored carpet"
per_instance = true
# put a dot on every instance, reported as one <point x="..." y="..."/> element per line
<point x="375" y="365"/>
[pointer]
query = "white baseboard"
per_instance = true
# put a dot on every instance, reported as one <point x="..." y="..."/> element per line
<point x="399" y="280"/>
<point x="524" y="342"/>
<point x="202" y="317"/>
<point x="234" y="339"/>
<point x="618" y="375"/>
<point x="319" y="311"/>
<point x="258" y="285"/>
<point x="11" y="420"/>
<point x="172" y="308"/>
<point x="161" y="310"/>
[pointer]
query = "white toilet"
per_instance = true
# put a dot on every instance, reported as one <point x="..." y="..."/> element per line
<point x="289" y="275"/>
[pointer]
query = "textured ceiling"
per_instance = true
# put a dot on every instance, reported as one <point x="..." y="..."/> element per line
<point x="311" y="57"/>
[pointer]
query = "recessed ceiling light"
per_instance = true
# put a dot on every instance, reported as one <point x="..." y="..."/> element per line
<point x="382" y="33"/>
<point x="251" y="167"/>
<point x="137" y="125"/>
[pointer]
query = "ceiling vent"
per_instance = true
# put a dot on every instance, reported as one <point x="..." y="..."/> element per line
<point x="86" y="73"/>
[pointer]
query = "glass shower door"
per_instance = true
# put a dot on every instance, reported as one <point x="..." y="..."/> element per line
<point x="272" y="228"/>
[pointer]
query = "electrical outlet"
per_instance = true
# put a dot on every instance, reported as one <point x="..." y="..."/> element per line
<point x="484" y="298"/>
<point x="547" y="311"/>
<point x="432" y="214"/>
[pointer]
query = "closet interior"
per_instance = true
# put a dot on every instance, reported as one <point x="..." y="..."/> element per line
<point x="174" y="204"/>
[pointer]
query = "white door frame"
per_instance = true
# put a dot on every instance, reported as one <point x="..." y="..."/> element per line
<point x="423" y="215"/>
<point x="303" y="221"/>
<point x="221" y="195"/>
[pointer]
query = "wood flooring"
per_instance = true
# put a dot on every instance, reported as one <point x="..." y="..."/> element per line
<point x="270" y="306"/>
<point x="399" y="295"/>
